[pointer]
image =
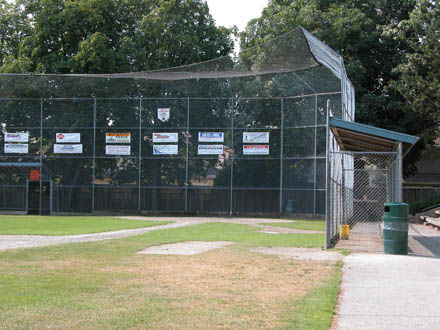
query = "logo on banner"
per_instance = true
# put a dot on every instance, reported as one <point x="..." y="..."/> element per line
<point x="165" y="137"/>
<point x="117" y="137"/>
<point x="256" y="149"/>
<point x="163" y="114"/>
<point x="17" y="137"/>
<point x="211" y="137"/>
<point x="68" y="137"/>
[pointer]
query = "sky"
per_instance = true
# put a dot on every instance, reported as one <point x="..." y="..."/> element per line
<point x="235" y="12"/>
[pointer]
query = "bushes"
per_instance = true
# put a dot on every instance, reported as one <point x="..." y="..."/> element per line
<point x="419" y="206"/>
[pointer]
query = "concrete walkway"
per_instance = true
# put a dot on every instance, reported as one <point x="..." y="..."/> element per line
<point x="393" y="292"/>
<point x="27" y="241"/>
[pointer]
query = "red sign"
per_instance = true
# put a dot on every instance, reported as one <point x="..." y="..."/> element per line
<point x="34" y="175"/>
<point x="60" y="136"/>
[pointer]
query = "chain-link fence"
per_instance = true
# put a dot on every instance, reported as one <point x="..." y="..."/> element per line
<point x="359" y="185"/>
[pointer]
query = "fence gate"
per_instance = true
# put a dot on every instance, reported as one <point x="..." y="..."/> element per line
<point x="359" y="184"/>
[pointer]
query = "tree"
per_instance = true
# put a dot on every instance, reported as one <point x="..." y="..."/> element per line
<point x="357" y="31"/>
<point x="96" y="36"/>
<point x="420" y="70"/>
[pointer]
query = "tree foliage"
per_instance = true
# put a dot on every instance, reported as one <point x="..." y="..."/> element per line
<point x="106" y="36"/>
<point x="380" y="61"/>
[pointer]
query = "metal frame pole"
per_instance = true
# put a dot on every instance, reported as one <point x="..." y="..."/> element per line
<point x="314" y="161"/>
<point x="399" y="173"/>
<point x="41" y="155"/>
<point x="187" y="154"/>
<point x="281" y="155"/>
<point x="231" y="191"/>
<point x="140" y="155"/>
<point x="94" y="155"/>
<point x="327" y="181"/>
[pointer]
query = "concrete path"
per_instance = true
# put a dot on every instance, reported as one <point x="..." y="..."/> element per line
<point x="387" y="292"/>
<point x="26" y="241"/>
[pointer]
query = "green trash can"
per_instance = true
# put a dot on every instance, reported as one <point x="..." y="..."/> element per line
<point x="395" y="228"/>
<point x="291" y="206"/>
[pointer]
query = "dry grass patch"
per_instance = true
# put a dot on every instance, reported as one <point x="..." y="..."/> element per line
<point x="224" y="288"/>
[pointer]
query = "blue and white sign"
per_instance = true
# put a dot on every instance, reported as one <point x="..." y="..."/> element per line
<point x="16" y="148"/>
<point x="68" y="148"/>
<point x="165" y="149"/>
<point x="255" y="137"/>
<point x="211" y="137"/>
<point x="117" y="150"/>
<point x="210" y="149"/>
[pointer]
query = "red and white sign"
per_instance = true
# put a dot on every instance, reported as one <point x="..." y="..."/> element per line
<point x="163" y="114"/>
<point x="165" y="137"/>
<point x="256" y="149"/>
<point x="68" y="137"/>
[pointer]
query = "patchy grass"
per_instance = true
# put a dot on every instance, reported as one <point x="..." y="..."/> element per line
<point x="300" y="224"/>
<point x="68" y="225"/>
<point x="244" y="234"/>
<point x="315" y="310"/>
<point x="106" y="285"/>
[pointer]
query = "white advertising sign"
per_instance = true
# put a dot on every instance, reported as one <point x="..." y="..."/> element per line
<point x="211" y="137"/>
<point x="256" y="149"/>
<point x="117" y="150"/>
<point x="16" y="148"/>
<point x="165" y="137"/>
<point x="17" y="137"/>
<point x="68" y="137"/>
<point x="165" y="149"/>
<point x="117" y="137"/>
<point x="210" y="149"/>
<point x="163" y="114"/>
<point x="68" y="148"/>
<point x="255" y="137"/>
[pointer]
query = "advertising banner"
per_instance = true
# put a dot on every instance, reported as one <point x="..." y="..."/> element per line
<point x="210" y="149"/>
<point x="68" y="137"/>
<point x="256" y="149"/>
<point x="117" y="150"/>
<point x="211" y="137"/>
<point x="68" y="148"/>
<point x="17" y="137"/>
<point x="163" y="114"/>
<point x="117" y="137"/>
<point x="255" y="137"/>
<point x="165" y="137"/>
<point x="16" y="148"/>
<point x="165" y="149"/>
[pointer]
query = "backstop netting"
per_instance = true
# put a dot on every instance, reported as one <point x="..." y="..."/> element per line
<point x="227" y="136"/>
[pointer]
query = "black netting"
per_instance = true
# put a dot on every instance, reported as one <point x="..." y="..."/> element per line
<point x="226" y="136"/>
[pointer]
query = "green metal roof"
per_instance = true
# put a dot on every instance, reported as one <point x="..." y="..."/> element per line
<point x="353" y="136"/>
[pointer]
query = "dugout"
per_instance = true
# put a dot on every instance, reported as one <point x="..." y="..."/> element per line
<point x="227" y="136"/>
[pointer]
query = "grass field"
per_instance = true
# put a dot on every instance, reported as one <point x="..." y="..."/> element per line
<point x="300" y="224"/>
<point x="107" y="285"/>
<point x="53" y="225"/>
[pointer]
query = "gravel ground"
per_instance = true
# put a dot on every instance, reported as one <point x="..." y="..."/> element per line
<point x="301" y="253"/>
<point x="185" y="248"/>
